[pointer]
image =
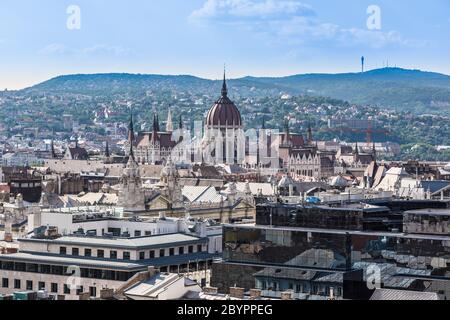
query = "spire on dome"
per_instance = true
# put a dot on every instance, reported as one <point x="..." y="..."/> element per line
<point x="224" y="85"/>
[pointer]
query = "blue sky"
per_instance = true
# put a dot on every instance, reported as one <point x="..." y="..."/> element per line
<point x="253" y="37"/>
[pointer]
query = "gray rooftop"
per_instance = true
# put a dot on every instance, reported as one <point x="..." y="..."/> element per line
<point x="431" y="212"/>
<point x="341" y="232"/>
<point x="403" y="295"/>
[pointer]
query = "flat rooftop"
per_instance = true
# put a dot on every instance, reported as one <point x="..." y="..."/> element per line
<point x="104" y="264"/>
<point x="352" y="207"/>
<point x="157" y="241"/>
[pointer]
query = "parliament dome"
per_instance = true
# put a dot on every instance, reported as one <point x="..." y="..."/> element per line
<point x="224" y="112"/>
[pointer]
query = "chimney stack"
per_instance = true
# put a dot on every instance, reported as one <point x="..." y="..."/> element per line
<point x="237" y="293"/>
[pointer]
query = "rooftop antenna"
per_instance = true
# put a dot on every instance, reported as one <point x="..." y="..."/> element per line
<point x="362" y="63"/>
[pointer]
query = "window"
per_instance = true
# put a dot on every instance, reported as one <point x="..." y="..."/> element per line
<point x="113" y="254"/>
<point x="5" y="283"/>
<point x="41" y="286"/>
<point x="142" y="255"/>
<point x="298" y="288"/>
<point x="181" y="250"/>
<point x="162" y="253"/>
<point x="152" y="254"/>
<point x="80" y="290"/>
<point x="93" y="291"/>
<point x="17" y="284"/>
<point x="75" y="251"/>
<point x="30" y="285"/>
<point x="148" y="233"/>
<point x="63" y="250"/>
<point x="66" y="289"/>
<point x="199" y="248"/>
<point x="171" y="252"/>
<point x="54" y="287"/>
<point x="191" y="249"/>
<point x="87" y="252"/>
<point x="100" y="253"/>
<point x="274" y="286"/>
<point x="126" y="255"/>
<point x="137" y="233"/>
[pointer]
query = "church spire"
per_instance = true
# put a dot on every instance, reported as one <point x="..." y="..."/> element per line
<point x="310" y="135"/>
<point x="287" y="133"/>
<point x="224" y="85"/>
<point x="131" y="127"/>
<point x="180" y="123"/>
<point x="131" y="135"/>
<point x="357" y="149"/>
<point x="107" y="153"/>
<point x="169" y="125"/>
<point x="155" y="123"/>
<point x="53" y="149"/>
<point x="374" y="152"/>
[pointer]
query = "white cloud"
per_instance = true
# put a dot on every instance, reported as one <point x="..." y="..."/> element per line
<point x="55" y="49"/>
<point x="291" y="22"/>
<point x="104" y="49"/>
<point x="261" y="9"/>
<point x="98" y="49"/>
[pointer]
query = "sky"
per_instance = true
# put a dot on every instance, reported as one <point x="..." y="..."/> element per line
<point x="46" y="38"/>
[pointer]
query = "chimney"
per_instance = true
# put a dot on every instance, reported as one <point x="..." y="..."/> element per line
<point x="291" y="190"/>
<point x="152" y="271"/>
<point x="255" y="294"/>
<point x="237" y="293"/>
<point x="210" y="290"/>
<point x="106" y="294"/>
<point x="8" y="237"/>
<point x="85" y="296"/>
<point x="287" y="295"/>
<point x="332" y="297"/>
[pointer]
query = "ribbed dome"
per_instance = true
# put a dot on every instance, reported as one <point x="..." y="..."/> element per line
<point x="224" y="112"/>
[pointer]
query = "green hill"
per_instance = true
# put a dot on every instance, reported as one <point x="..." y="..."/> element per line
<point x="394" y="88"/>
